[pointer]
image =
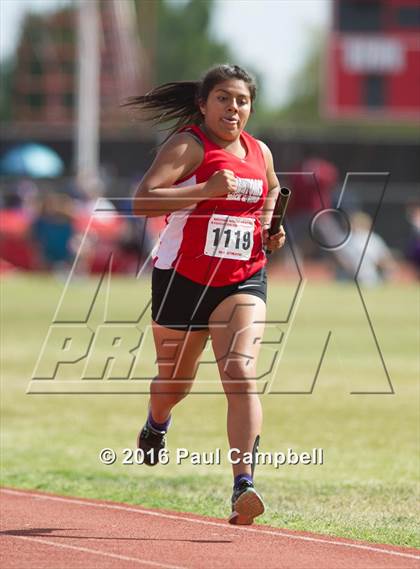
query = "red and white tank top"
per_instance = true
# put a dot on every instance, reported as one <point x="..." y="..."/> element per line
<point x="218" y="242"/>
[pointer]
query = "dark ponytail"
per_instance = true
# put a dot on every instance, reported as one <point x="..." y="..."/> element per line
<point x="176" y="101"/>
<point x="179" y="101"/>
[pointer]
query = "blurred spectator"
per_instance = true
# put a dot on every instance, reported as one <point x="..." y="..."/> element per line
<point x="11" y="200"/>
<point x="53" y="231"/>
<point x="136" y="241"/>
<point x="378" y="263"/>
<point x="413" y="247"/>
<point x="315" y="181"/>
<point x="314" y="220"/>
<point x="47" y="230"/>
<point x="135" y="244"/>
<point x="16" y="202"/>
<point x="313" y="185"/>
<point x="317" y="228"/>
<point x="28" y="192"/>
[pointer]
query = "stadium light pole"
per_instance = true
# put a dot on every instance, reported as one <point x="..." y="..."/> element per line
<point x="88" y="94"/>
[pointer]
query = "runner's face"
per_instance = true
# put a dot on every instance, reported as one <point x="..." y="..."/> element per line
<point x="227" y="109"/>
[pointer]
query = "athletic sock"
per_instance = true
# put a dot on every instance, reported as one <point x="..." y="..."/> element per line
<point x="240" y="477"/>
<point x="158" y="426"/>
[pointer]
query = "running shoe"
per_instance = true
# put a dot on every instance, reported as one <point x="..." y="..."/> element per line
<point x="247" y="504"/>
<point x="151" y="441"/>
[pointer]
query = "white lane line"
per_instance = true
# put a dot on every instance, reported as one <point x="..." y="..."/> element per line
<point x="225" y="526"/>
<point x="97" y="552"/>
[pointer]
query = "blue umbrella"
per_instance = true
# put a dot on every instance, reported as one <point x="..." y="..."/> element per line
<point x="32" y="160"/>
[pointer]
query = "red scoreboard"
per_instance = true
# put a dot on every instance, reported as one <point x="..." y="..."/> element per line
<point x="373" y="60"/>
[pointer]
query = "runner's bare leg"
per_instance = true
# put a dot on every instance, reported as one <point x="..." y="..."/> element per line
<point x="236" y="350"/>
<point x="177" y="356"/>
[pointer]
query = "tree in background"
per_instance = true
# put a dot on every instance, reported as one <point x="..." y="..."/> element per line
<point x="6" y="79"/>
<point x="177" y="39"/>
<point x="305" y="92"/>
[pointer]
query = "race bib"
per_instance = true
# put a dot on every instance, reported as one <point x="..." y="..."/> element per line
<point x="230" y="237"/>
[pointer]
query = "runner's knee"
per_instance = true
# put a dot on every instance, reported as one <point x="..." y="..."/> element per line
<point x="236" y="369"/>
<point x="244" y="387"/>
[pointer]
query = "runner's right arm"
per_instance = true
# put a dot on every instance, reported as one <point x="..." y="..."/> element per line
<point x="178" y="158"/>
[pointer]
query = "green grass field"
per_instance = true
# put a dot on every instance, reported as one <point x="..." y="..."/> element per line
<point x="366" y="488"/>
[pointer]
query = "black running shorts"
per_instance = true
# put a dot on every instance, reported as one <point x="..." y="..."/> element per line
<point x="182" y="304"/>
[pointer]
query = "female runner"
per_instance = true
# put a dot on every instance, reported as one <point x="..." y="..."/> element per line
<point x="217" y="187"/>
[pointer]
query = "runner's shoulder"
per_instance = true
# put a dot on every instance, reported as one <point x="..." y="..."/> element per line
<point x="268" y="157"/>
<point x="182" y="148"/>
<point x="184" y="142"/>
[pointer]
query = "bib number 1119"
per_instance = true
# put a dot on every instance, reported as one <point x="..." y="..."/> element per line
<point x="230" y="237"/>
<point x="241" y="239"/>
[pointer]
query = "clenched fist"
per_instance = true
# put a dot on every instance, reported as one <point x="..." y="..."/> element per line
<point x="222" y="182"/>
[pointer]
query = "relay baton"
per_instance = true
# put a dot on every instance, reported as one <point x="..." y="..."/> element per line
<point x="279" y="212"/>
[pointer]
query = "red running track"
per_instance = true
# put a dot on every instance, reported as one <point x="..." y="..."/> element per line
<point x="43" y="531"/>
